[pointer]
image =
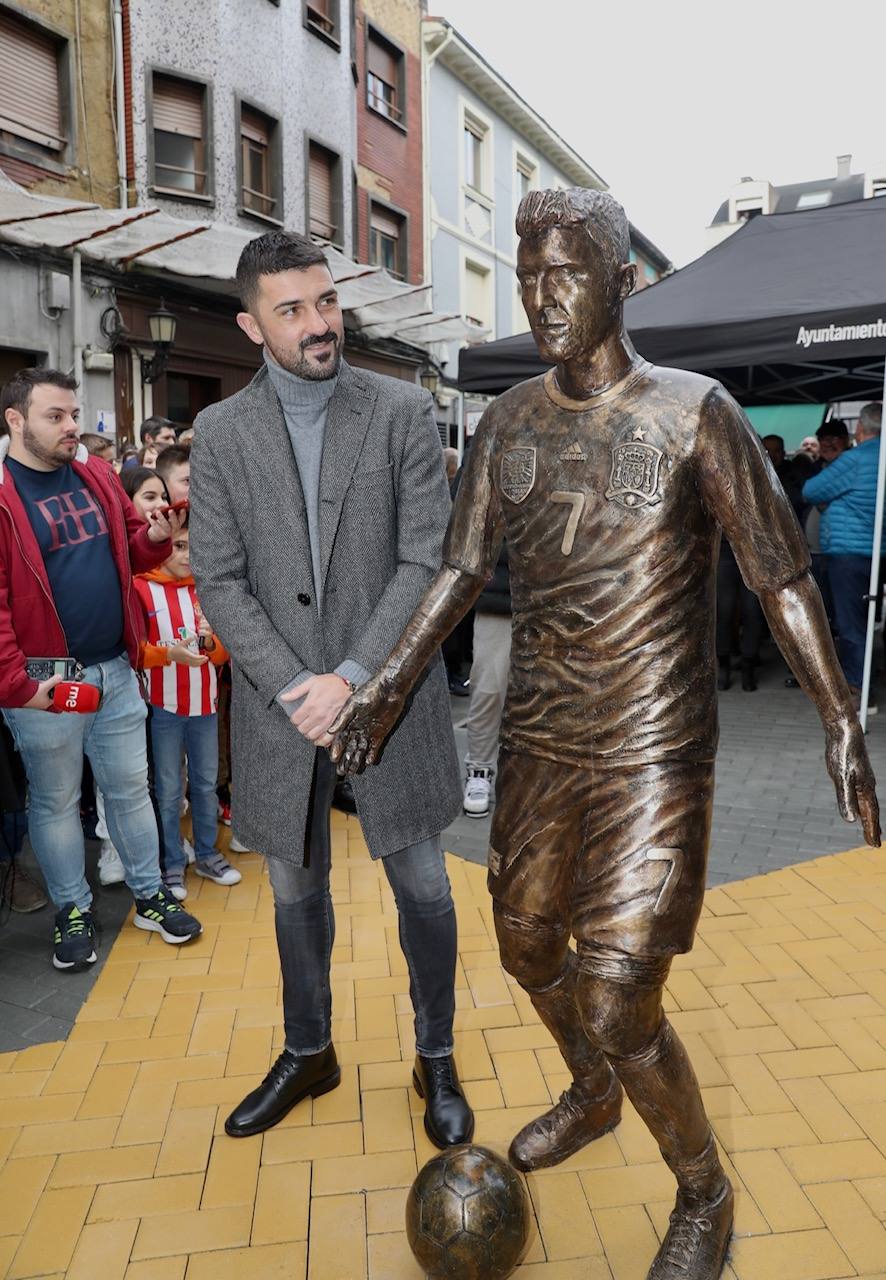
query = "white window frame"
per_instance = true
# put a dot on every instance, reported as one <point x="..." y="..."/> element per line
<point x="469" y="115"/>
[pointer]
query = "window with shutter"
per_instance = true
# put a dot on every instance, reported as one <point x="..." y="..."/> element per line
<point x="477" y="294"/>
<point x="258" y="178"/>
<point x="386" y="240"/>
<point x="384" y="65"/>
<point x="179" y="121"/>
<point x="321" y="192"/>
<point x="321" y="16"/>
<point x="30" y="92"/>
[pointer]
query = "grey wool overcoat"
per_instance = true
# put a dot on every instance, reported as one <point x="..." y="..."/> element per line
<point x="384" y="505"/>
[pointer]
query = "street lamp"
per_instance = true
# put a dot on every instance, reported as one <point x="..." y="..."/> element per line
<point x="161" y="326"/>
<point x="430" y="378"/>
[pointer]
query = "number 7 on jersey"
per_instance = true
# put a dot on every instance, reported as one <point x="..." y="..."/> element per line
<point x="577" y="502"/>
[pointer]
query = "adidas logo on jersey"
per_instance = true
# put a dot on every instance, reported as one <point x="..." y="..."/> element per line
<point x="573" y="453"/>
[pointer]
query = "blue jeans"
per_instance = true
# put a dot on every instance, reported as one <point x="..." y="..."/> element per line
<point x="197" y="738"/>
<point x="52" y="746"/>
<point x="849" y="579"/>
<point x="305" y="925"/>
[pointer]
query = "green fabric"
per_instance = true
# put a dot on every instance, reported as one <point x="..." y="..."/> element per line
<point x="793" y="422"/>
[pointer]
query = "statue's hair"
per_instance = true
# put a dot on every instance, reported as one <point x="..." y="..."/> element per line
<point x="602" y="217"/>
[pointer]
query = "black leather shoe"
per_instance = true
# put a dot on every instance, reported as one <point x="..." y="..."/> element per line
<point x="290" y="1079"/>
<point x="448" y="1118"/>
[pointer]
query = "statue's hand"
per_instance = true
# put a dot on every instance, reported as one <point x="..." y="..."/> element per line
<point x="364" y="722"/>
<point x="847" y="762"/>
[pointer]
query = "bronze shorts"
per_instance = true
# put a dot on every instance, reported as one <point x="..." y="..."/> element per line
<point x="617" y="853"/>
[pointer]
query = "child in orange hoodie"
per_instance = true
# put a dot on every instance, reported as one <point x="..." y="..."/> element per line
<point x="179" y="661"/>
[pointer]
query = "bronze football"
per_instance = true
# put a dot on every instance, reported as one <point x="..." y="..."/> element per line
<point x="468" y="1216"/>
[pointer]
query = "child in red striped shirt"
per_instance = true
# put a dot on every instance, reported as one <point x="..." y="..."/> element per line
<point x="179" y="660"/>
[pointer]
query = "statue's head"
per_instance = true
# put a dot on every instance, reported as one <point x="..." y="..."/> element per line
<point x="573" y="267"/>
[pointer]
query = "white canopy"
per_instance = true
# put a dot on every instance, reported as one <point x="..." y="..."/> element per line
<point x="148" y="240"/>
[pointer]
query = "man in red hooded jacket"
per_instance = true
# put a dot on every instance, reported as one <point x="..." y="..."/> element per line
<point x="70" y="541"/>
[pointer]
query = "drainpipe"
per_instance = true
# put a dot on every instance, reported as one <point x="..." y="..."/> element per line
<point x="427" y="61"/>
<point x="120" y="102"/>
<point x="77" y="330"/>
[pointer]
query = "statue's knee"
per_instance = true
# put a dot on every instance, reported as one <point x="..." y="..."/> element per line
<point x="532" y="950"/>
<point x="619" y="998"/>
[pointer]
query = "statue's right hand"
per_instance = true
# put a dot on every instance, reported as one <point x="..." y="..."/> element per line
<point x="361" y="727"/>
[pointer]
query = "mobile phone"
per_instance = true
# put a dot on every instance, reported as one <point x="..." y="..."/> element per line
<point x="45" y="668"/>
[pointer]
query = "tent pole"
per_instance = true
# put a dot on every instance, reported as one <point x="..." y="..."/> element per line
<point x="875" y="576"/>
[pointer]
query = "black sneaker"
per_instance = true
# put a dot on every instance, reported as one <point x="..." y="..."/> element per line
<point x="162" y="914"/>
<point x="74" y="939"/>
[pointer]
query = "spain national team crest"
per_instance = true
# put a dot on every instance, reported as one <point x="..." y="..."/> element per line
<point x="633" y="481"/>
<point x="518" y="473"/>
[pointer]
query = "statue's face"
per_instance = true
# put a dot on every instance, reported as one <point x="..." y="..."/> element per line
<point x="570" y="294"/>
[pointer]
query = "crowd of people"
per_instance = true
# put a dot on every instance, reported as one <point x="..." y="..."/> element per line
<point x="96" y="565"/>
<point x="831" y="481"/>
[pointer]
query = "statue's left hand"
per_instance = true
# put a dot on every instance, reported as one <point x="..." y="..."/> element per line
<point x="850" y="770"/>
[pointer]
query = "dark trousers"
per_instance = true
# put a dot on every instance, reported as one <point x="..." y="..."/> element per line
<point x="305" y="925"/>
<point x="733" y="597"/>
<point x="849" y="579"/>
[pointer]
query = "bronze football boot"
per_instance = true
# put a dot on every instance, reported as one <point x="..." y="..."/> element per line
<point x="697" y="1239"/>
<point x="585" y="1112"/>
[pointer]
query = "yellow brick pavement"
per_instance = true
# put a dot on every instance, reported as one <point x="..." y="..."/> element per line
<point x="113" y="1160"/>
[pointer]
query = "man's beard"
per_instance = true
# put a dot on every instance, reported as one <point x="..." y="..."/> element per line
<point x="297" y="362"/>
<point x="51" y="457"/>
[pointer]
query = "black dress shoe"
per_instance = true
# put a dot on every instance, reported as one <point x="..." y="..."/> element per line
<point x="343" y="796"/>
<point x="448" y="1118"/>
<point x="290" y="1079"/>
<point x="748" y="677"/>
<point x="724" y="676"/>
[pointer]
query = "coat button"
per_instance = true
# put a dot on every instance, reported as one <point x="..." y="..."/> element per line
<point x="303" y="598"/>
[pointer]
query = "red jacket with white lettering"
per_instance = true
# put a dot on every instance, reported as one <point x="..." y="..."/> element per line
<point x="29" y="623"/>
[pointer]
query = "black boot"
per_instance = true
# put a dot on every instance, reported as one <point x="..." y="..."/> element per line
<point x="290" y="1079"/>
<point x="724" y="679"/>
<point x="749" y="677"/>
<point x="448" y="1118"/>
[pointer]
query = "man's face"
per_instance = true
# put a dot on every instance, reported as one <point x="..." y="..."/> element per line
<point x="297" y="317"/>
<point x="178" y="482"/>
<point x="810" y="447"/>
<point x="50" y="430"/>
<point x="830" y="447"/>
<point x="164" y="436"/>
<point x="570" y="293"/>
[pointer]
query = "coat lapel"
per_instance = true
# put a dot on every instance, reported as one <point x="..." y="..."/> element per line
<point x="265" y="441"/>
<point x="347" y="422"/>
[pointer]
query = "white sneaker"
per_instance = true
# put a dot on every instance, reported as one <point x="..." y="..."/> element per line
<point x="217" y="868"/>
<point x="477" y="792"/>
<point x="189" y="851"/>
<point x="110" y="868"/>
<point x="236" y="846"/>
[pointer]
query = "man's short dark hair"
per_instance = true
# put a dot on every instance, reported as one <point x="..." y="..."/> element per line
<point x="602" y="217"/>
<point x="835" y="429"/>
<point x="151" y="427"/>
<point x="778" y="439"/>
<point x="271" y="253"/>
<point x="172" y="456"/>
<point x="95" y="443"/>
<point x="17" y="392"/>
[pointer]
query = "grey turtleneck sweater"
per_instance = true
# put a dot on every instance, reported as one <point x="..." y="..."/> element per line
<point x="305" y="404"/>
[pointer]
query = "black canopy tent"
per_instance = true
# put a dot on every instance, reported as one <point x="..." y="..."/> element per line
<point x="792" y="307"/>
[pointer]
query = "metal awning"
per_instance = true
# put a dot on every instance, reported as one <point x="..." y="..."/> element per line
<point x="149" y="240"/>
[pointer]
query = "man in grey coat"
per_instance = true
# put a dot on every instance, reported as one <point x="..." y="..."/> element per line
<point x="319" y="506"/>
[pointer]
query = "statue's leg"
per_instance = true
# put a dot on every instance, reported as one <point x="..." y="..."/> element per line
<point x="639" y="887"/>
<point x="620" y="1000"/>
<point x="537" y="835"/>
<point x="536" y="952"/>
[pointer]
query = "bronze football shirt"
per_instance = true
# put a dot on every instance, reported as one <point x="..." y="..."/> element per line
<point x="612" y="509"/>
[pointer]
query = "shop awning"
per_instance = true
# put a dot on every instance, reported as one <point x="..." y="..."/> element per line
<point x="150" y="241"/>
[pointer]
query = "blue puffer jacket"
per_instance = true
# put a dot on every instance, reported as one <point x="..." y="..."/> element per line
<point x="849" y="487"/>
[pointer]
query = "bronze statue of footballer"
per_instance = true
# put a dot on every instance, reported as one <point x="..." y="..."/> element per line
<point x="611" y="480"/>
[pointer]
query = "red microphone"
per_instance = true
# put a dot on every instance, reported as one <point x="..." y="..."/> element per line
<point x="72" y="695"/>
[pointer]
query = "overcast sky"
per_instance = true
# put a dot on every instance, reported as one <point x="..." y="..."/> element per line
<point x="673" y="102"/>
